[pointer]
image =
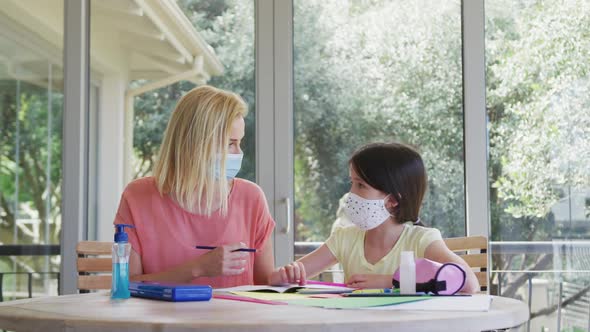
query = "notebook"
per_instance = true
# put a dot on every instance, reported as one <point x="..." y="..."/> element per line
<point x="171" y="292"/>
<point x="293" y="288"/>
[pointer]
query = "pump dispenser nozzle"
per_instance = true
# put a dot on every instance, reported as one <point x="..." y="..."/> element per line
<point x="120" y="235"/>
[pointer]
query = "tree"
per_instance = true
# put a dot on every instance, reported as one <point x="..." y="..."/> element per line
<point x="539" y="112"/>
<point x="358" y="81"/>
<point x="30" y="149"/>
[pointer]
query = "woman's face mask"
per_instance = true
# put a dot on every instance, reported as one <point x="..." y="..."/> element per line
<point x="233" y="163"/>
<point x="366" y="214"/>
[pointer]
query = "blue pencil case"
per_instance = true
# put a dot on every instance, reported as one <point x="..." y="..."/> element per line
<point x="171" y="292"/>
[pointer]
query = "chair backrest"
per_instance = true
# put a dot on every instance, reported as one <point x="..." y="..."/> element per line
<point x="474" y="250"/>
<point x="94" y="265"/>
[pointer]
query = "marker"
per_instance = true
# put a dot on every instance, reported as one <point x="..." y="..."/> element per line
<point x="398" y="295"/>
<point x="211" y="248"/>
<point x="374" y="291"/>
<point x="313" y="291"/>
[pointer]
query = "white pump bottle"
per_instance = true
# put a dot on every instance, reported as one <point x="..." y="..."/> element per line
<point x="407" y="274"/>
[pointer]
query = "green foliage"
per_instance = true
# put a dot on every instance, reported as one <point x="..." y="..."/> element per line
<point x="376" y="70"/>
<point x="574" y="329"/>
<point x="366" y="73"/>
<point x="539" y="112"/>
<point x="27" y="142"/>
<point x="8" y="279"/>
<point x="30" y="151"/>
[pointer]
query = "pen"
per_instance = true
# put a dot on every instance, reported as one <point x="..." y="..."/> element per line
<point x="241" y="249"/>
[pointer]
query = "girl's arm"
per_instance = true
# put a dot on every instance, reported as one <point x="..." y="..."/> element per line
<point x="220" y="261"/>
<point x="306" y="267"/>
<point x="439" y="252"/>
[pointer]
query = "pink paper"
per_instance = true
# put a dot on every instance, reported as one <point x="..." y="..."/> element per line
<point x="245" y="299"/>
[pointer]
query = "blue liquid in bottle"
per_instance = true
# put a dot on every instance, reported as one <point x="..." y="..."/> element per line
<point x="120" y="289"/>
<point x="121" y="250"/>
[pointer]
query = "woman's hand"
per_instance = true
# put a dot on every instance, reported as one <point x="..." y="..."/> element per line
<point x="370" y="281"/>
<point x="223" y="260"/>
<point x="289" y="274"/>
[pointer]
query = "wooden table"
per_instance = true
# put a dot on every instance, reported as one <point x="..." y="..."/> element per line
<point x="96" y="312"/>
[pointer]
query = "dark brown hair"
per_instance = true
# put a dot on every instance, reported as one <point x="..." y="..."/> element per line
<point x="397" y="170"/>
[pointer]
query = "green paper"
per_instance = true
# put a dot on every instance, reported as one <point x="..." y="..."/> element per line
<point x="356" y="302"/>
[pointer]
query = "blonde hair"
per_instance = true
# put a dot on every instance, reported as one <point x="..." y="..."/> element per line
<point x="196" y="138"/>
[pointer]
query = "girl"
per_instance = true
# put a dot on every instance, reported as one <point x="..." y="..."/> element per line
<point x="388" y="182"/>
<point x="195" y="199"/>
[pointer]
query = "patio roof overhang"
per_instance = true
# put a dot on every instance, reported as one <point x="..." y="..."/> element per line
<point x="146" y="39"/>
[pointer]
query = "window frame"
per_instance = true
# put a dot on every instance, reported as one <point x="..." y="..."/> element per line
<point x="274" y="90"/>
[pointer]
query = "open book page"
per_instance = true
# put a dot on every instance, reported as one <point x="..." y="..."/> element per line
<point x="268" y="296"/>
<point x="258" y="288"/>
<point x="282" y="289"/>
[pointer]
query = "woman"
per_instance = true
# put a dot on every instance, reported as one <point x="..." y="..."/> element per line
<point x="194" y="199"/>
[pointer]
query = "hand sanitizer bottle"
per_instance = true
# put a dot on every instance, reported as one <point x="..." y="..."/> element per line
<point x="121" y="251"/>
<point x="407" y="273"/>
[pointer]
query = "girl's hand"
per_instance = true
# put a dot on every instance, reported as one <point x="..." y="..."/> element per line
<point x="289" y="274"/>
<point x="369" y="281"/>
<point x="222" y="260"/>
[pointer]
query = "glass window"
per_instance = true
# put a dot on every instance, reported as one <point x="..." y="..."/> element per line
<point x="144" y="57"/>
<point x="370" y="71"/>
<point x="539" y="168"/>
<point x="228" y="27"/>
<point x="31" y="105"/>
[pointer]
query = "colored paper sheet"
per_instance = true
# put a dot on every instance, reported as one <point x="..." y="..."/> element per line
<point x="244" y="299"/>
<point x="477" y="302"/>
<point x="270" y="296"/>
<point x="356" y="302"/>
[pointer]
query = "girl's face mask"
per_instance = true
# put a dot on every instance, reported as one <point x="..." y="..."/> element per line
<point x="364" y="213"/>
<point x="436" y="278"/>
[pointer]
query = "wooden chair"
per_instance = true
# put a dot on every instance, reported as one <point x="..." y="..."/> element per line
<point x="94" y="265"/>
<point x="474" y="250"/>
<point x="95" y="262"/>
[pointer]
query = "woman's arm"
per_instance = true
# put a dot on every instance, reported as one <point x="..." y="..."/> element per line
<point x="439" y="252"/>
<point x="264" y="264"/>
<point x="220" y="261"/>
<point x="306" y="267"/>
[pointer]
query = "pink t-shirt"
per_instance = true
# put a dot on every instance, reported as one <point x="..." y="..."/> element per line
<point x="165" y="235"/>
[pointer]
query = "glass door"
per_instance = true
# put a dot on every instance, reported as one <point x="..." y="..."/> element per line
<point x="539" y="175"/>
<point x="377" y="71"/>
<point x="31" y="106"/>
<point x="144" y="57"/>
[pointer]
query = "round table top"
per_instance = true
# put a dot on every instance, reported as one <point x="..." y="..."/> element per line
<point x="96" y="312"/>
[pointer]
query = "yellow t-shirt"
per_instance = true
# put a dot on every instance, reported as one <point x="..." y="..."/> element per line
<point x="347" y="244"/>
